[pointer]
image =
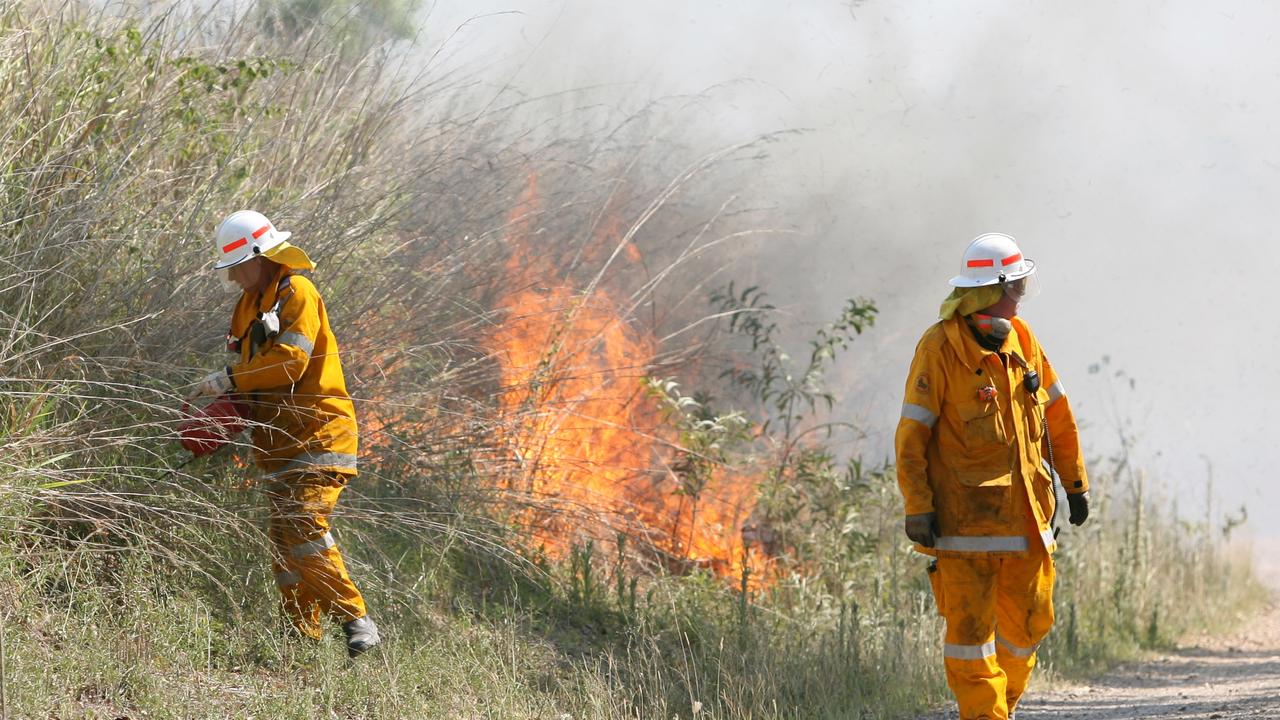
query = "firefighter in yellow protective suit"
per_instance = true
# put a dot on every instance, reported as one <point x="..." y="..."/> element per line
<point x="984" y="414"/>
<point x="304" y="425"/>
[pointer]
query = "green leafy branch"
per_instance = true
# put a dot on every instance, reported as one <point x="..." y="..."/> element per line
<point x="790" y="392"/>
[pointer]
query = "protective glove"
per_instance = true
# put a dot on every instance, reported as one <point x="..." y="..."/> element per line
<point x="1079" y="507"/>
<point x="923" y="528"/>
<point x="214" y="384"/>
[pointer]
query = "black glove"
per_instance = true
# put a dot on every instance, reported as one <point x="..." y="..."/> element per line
<point x="1079" y="507"/>
<point x="923" y="528"/>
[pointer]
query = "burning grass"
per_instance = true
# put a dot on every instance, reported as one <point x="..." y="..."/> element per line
<point x="592" y="450"/>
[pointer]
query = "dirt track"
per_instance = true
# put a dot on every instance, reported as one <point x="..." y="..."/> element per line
<point x="1228" y="678"/>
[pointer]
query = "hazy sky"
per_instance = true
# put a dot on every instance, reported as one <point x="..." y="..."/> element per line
<point x="1132" y="148"/>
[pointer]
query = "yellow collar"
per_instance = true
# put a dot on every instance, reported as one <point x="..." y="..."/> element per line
<point x="268" y="298"/>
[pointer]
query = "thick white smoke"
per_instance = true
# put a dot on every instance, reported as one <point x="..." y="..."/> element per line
<point x="1132" y="147"/>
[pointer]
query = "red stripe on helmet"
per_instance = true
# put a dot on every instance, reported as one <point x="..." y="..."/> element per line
<point x="1011" y="260"/>
<point x="258" y="233"/>
<point x="235" y="245"/>
<point x="982" y="263"/>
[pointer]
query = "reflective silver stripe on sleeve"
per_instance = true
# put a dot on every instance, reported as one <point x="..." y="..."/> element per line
<point x="919" y="413"/>
<point x="287" y="578"/>
<point x="309" y="461"/>
<point x="311" y="548"/>
<point x="969" y="652"/>
<point x="1014" y="650"/>
<point x="1050" y="542"/>
<point x="298" y="340"/>
<point x="989" y="543"/>
<point x="1056" y="392"/>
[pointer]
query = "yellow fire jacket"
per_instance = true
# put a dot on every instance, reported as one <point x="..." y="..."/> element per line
<point x="303" y="417"/>
<point x="970" y="443"/>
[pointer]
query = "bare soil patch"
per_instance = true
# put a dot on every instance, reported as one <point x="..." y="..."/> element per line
<point x="1232" y="677"/>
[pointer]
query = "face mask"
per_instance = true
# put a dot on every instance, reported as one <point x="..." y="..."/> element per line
<point x="229" y="286"/>
<point x="992" y="326"/>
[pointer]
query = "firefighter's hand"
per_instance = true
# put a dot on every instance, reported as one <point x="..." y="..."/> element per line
<point x="214" y="384"/>
<point x="923" y="528"/>
<point x="1079" y="507"/>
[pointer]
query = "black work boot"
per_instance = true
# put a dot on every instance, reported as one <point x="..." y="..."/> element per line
<point x="361" y="634"/>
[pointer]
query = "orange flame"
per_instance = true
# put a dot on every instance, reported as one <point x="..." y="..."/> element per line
<point x="592" y="449"/>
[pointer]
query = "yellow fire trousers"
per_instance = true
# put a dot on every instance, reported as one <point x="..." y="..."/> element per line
<point x="313" y="580"/>
<point x="997" y="610"/>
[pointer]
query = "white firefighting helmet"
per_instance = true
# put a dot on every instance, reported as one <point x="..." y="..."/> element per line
<point x="991" y="259"/>
<point x="243" y="236"/>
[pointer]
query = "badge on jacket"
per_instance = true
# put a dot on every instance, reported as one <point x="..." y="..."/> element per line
<point x="987" y="394"/>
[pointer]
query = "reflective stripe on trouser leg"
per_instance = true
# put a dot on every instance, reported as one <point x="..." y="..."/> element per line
<point x="969" y="652"/>
<point x="1024" y="615"/>
<point x="973" y="673"/>
<point x="312" y="547"/>
<point x="324" y="574"/>
<point x="297" y="609"/>
<point x="297" y="606"/>
<point x="1012" y="650"/>
<point x="300" y="529"/>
